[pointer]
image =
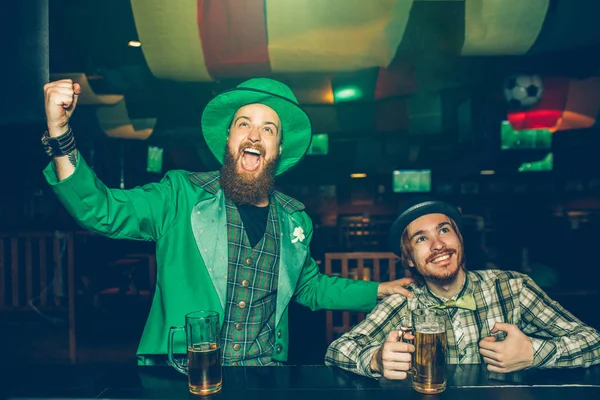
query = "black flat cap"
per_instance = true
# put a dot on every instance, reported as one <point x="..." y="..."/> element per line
<point x="416" y="208"/>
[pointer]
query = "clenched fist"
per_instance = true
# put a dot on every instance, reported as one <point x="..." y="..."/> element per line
<point x="60" y="99"/>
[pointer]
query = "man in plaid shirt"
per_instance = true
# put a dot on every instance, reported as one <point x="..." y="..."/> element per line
<point x="512" y="324"/>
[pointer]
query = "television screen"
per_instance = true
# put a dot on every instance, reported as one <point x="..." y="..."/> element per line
<point x="525" y="139"/>
<point x="319" y="145"/>
<point x="545" y="164"/>
<point x="155" y="156"/>
<point x="411" y="181"/>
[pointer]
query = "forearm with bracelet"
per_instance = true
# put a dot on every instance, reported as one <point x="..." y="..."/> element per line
<point x="59" y="146"/>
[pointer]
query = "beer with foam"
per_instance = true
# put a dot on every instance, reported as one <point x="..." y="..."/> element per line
<point x="429" y="358"/>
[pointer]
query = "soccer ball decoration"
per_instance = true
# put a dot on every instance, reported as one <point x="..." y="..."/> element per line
<point x="522" y="91"/>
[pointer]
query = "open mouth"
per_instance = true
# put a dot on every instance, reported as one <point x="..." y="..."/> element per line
<point x="251" y="159"/>
<point x="441" y="258"/>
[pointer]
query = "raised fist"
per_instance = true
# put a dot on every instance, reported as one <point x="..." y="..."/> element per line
<point x="60" y="99"/>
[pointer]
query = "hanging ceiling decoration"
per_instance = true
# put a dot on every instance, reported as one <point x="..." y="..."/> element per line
<point x="196" y="40"/>
<point x="115" y="122"/>
<point x="582" y="105"/>
<point x="203" y="40"/>
<point x="339" y="56"/>
<point x="546" y="111"/>
<point x="502" y="27"/>
<point x="88" y="96"/>
<point x="565" y="104"/>
<point x="207" y="41"/>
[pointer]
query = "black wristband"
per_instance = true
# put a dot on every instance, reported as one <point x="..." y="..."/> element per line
<point x="59" y="146"/>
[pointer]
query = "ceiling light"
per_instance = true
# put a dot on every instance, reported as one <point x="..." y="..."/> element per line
<point x="347" y="93"/>
<point x="487" y="172"/>
<point x="358" y="175"/>
<point x="134" y="43"/>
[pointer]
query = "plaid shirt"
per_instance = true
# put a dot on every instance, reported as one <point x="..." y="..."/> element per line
<point x="559" y="339"/>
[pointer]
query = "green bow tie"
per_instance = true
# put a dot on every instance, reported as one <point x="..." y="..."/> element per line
<point x="467" y="302"/>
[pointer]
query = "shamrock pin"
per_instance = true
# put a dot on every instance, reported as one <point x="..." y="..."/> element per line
<point x="298" y="234"/>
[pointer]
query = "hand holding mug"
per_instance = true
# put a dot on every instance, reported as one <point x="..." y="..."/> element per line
<point x="393" y="359"/>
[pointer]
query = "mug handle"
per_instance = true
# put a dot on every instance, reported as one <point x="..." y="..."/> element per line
<point x="174" y="363"/>
<point x="401" y="332"/>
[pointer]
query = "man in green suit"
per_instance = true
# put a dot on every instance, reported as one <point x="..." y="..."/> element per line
<point x="225" y="240"/>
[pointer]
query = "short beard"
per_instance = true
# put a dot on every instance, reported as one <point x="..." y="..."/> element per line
<point x="441" y="281"/>
<point x="242" y="190"/>
<point x="445" y="280"/>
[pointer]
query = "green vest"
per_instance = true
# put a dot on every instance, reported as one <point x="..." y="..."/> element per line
<point x="251" y="282"/>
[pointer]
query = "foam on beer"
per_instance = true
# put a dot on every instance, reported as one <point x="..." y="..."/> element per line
<point x="430" y="327"/>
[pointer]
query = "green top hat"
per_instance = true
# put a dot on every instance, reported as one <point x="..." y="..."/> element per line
<point x="295" y="124"/>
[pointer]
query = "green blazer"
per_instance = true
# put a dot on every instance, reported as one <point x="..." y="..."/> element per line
<point x="188" y="224"/>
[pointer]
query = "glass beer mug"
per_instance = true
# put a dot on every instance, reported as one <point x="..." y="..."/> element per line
<point x="429" y="359"/>
<point x="203" y="352"/>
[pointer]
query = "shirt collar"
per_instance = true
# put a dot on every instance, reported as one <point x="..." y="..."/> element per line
<point x="429" y="298"/>
<point x="289" y="204"/>
<point x="208" y="181"/>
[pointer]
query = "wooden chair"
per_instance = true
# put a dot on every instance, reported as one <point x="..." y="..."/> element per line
<point x="126" y="267"/>
<point x="36" y="274"/>
<point x="374" y="266"/>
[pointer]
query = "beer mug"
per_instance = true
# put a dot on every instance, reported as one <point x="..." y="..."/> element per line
<point x="429" y="360"/>
<point x="203" y="352"/>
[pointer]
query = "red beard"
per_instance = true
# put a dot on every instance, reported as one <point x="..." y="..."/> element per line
<point x="243" y="189"/>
